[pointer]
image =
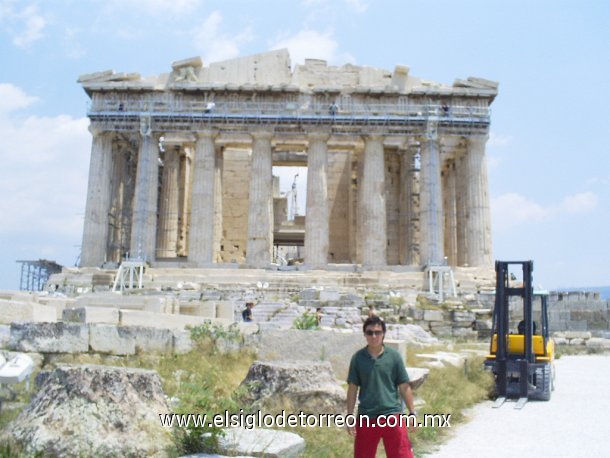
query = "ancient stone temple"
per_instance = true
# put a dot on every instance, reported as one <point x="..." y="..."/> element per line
<point x="182" y="165"/>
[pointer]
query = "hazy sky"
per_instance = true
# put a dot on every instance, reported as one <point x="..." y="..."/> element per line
<point x="548" y="153"/>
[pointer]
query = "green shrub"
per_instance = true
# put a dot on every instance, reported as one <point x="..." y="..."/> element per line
<point x="306" y="321"/>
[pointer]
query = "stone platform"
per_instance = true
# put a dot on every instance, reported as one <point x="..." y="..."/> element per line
<point x="340" y="276"/>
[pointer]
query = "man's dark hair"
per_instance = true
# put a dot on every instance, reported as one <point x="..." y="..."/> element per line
<point x="373" y="321"/>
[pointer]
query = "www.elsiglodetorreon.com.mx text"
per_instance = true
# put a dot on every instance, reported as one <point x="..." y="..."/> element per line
<point x="283" y="419"/>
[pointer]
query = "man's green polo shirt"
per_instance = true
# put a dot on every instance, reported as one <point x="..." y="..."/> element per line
<point x="378" y="379"/>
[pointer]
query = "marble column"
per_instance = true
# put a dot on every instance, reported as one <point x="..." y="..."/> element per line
<point x="218" y="219"/>
<point x="431" y="200"/>
<point x="449" y="212"/>
<point x="169" y="204"/>
<point x="478" y="223"/>
<point x="119" y="179"/>
<point x="185" y="198"/>
<point x="144" y="229"/>
<point x="95" y="231"/>
<point x="201" y="233"/>
<point x="461" y="191"/>
<point x="407" y="233"/>
<point x="260" y="206"/>
<point x="316" y="220"/>
<point x="372" y="204"/>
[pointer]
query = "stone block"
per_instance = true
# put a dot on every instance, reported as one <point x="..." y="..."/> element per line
<point x="598" y="342"/>
<point x="465" y="333"/>
<point x="417" y="314"/>
<point x="440" y="329"/>
<point x="162" y="320"/>
<point x="207" y="309"/>
<point x="463" y="316"/>
<point x="111" y="339"/>
<point x="270" y="443"/>
<point x="560" y="340"/>
<point x="13" y="310"/>
<point x="577" y="335"/>
<point x="433" y="315"/>
<point x="91" y="315"/>
<point x="225" y="310"/>
<point x="150" y="340"/>
<point x="156" y="303"/>
<point x="49" y="337"/>
<point x="5" y="335"/>
<point x="182" y="341"/>
<point x="577" y="342"/>
<point x="60" y="303"/>
<point x="327" y="295"/>
<point x="309" y="294"/>
<point x="352" y="299"/>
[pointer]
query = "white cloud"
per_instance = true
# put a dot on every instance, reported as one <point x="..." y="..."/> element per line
<point x="13" y="98"/>
<point x="512" y="209"/>
<point x="311" y="44"/>
<point x="25" y="26"/>
<point x="155" y="7"/>
<point x="217" y="46"/>
<point x="360" y="6"/>
<point x="43" y="177"/>
<point x="583" y="202"/>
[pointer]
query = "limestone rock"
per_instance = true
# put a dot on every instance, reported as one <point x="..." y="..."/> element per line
<point x="49" y="337"/>
<point x="417" y="376"/>
<point x="598" y="342"/>
<point x="412" y="333"/>
<point x="269" y="443"/>
<point x="94" y="410"/>
<point x="296" y="386"/>
<point x="5" y="335"/>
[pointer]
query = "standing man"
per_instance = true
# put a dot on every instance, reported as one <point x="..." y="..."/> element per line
<point x="378" y="376"/>
<point x="246" y="314"/>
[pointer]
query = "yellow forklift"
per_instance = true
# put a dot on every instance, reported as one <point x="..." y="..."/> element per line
<point x="520" y="358"/>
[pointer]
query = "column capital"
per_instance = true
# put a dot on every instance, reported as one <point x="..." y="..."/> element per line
<point x="145" y="126"/>
<point x="318" y="134"/>
<point x="478" y="139"/>
<point x="261" y="134"/>
<point x="373" y="136"/>
<point x="96" y="130"/>
<point x="206" y="134"/>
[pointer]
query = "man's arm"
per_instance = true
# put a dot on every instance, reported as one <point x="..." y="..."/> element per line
<point x="407" y="394"/>
<point x="352" y="392"/>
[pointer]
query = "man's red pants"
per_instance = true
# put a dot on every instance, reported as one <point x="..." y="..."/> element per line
<point x="395" y="438"/>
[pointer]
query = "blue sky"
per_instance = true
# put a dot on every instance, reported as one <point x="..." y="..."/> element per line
<point x="548" y="153"/>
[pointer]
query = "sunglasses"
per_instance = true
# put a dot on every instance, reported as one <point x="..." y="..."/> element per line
<point x="373" y="333"/>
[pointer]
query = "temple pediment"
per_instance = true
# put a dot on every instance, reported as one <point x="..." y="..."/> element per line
<point x="273" y="71"/>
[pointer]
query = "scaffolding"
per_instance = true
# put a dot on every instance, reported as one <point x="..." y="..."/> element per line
<point x="129" y="276"/>
<point x="34" y="274"/>
<point x="400" y="118"/>
<point x="441" y="282"/>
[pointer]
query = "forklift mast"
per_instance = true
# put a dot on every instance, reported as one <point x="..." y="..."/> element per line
<point x="504" y="291"/>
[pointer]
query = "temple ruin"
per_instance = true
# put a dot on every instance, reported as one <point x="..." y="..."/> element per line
<point x="181" y="169"/>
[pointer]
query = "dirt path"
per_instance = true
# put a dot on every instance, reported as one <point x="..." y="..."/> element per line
<point x="575" y="423"/>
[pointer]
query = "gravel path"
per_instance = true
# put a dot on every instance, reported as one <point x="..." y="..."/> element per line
<point x="574" y="423"/>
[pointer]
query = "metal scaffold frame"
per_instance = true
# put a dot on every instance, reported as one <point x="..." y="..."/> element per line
<point x="129" y="276"/>
<point x="34" y="274"/>
<point x="437" y="284"/>
<point x="286" y="116"/>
